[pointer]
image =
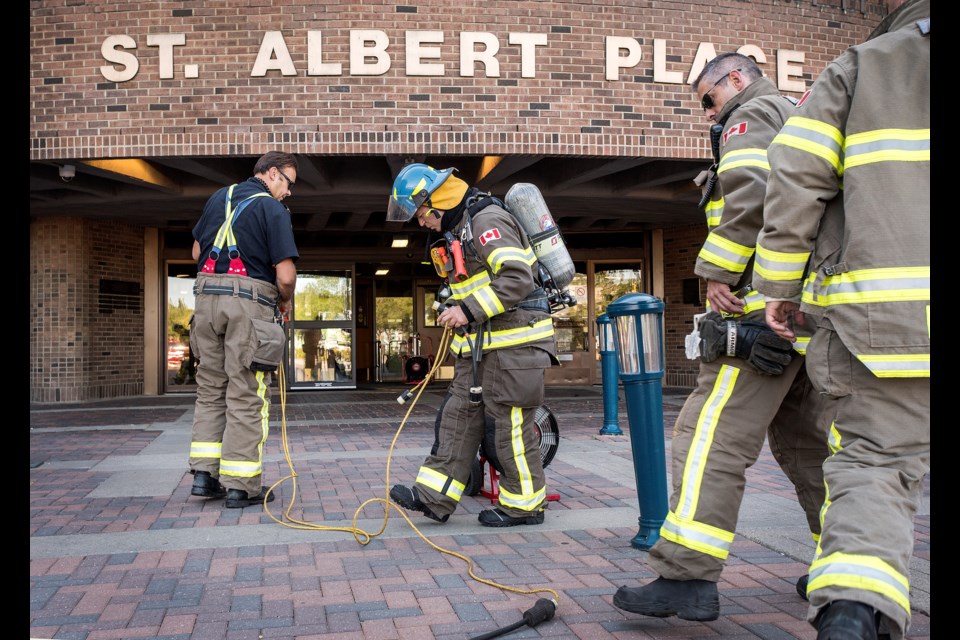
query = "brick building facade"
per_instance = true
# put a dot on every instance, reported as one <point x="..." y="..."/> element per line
<point x="158" y="103"/>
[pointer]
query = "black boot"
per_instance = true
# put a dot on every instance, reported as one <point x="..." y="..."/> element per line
<point x="847" y="620"/>
<point x="408" y="498"/>
<point x="802" y="586"/>
<point x="238" y="498"/>
<point x="497" y="518"/>
<point x="206" y="486"/>
<point x="686" y="599"/>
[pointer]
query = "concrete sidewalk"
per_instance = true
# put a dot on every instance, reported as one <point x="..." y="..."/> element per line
<point x="120" y="550"/>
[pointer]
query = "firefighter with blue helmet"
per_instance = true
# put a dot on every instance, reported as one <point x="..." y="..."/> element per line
<point x="504" y="343"/>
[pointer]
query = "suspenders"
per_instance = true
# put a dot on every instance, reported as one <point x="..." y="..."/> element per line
<point x="225" y="234"/>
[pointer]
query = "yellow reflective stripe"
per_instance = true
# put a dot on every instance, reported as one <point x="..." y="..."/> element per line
<point x="809" y="292"/>
<point x="487" y="298"/>
<point x="240" y="468"/>
<point x="225" y="227"/>
<point x="463" y="289"/>
<point x="699" y="451"/>
<point x="898" y="365"/>
<point x="800" y="345"/>
<point x="777" y="266"/>
<point x="815" y="137"/>
<point x="524" y="502"/>
<point x="225" y="233"/>
<point x="834" y="439"/>
<point x="519" y="451"/>
<point x="744" y="158"/>
<point x="438" y="481"/>
<point x="868" y="573"/>
<point x="528" y="498"/>
<point x="697" y="536"/>
<point x="714" y="211"/>
<point x="205" y="449"/>
<point x="752" y="301"/>
<point x="725" y="253"/>
<point x="498" y="257"/>
<point x="263" y="394"/>
<point x="887" y="145"/>
<point x="505" y="338"/>
<point x="887" y="284"/>
<point x="246" y="468"/>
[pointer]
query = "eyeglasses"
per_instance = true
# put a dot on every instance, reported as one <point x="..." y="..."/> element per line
<point x="290" y="182"/>
<point x="707" y="101"/>
<point x="426" y="213"/>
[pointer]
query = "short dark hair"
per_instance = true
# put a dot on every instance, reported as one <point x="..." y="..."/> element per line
<point x="724" y="64"/>
<point x="277" y="159"/>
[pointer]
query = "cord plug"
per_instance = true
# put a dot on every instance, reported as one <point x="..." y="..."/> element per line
<point x="405" y="396"/>
<point x="541" y="611"/>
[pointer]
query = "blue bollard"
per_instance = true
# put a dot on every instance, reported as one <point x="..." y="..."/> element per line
<point x="608" y="370"/>
<point x="638" y="319"/>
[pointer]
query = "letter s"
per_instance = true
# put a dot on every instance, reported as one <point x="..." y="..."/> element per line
<point x="110" y="53"/>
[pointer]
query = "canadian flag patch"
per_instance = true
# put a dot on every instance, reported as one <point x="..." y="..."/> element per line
<point x="803" y="97"/>
<point x="489" y="236"/>
<point x="735" y="130"/>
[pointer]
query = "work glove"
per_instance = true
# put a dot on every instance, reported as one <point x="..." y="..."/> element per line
<point x="754" y="342"/>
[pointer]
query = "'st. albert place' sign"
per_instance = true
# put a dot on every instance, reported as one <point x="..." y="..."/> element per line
<point x="368" y="56"/>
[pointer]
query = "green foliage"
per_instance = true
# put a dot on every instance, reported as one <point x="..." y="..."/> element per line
<point x="178" y="314"/>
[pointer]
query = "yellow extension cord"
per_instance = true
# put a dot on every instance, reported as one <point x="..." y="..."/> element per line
<point x="361" y="536"/>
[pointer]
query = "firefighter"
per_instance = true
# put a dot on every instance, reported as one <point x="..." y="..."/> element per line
<point x="752" y="383"/>
<point x="504" y="342"/>
<point x="861" y="138"/>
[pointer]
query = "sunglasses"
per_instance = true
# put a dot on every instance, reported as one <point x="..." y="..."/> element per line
<point x="290" y="182"/>
<point x="707" y="100"/>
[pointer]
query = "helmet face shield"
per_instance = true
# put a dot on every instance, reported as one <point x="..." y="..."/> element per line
<point x="412" y="188"/>
<point x="400" y="209"/>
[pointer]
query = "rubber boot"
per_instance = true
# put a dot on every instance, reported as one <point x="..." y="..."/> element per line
<point x="686" y="599"/>
<point x="847" y="620"/>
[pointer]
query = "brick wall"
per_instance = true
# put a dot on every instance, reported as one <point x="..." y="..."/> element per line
<point x="567" y="108"/>
<point x="86" y="304"/>
<point x="81" y="349"/>
<point x="680" y="248"/>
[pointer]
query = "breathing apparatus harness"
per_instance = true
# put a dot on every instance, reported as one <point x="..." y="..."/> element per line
<point x="716" y="132"/>
<point x="448" y="258"/>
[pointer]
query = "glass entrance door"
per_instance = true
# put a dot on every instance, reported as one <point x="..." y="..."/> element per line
<point x="180" y="367"/>
<point x="321" y="352"/>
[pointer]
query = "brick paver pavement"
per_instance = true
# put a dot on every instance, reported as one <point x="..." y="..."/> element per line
<point x="120" y="550"/>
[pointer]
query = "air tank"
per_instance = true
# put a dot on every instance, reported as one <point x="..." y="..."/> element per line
<point x="526" y="203"/>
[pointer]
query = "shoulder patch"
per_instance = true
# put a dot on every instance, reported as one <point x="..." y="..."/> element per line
<point x="489" y="236"/>
<point x="803" y="97"/>
<point x="736" y="130"/>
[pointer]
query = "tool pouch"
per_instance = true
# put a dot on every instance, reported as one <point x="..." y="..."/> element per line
<point x="269" y="343"/>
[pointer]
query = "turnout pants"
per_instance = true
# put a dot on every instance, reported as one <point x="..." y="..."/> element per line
<point x="232" y="413"/>
<point x="880" y="452"/>
<point x="512" y="381"/>
<point x="718" y="435"/>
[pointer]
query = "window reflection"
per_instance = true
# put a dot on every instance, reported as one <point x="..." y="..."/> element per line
<point x="322" y="336"/>
<point x="570" y="324"/>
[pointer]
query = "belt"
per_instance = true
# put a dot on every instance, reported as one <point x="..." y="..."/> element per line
<point x="229" y="291"/>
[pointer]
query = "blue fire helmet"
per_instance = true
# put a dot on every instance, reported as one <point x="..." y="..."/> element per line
<point x="413" y="187"/>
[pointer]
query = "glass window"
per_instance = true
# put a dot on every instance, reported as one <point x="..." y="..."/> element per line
<point x="181" y="367"/>
<point x="614" y="280"/>
<point x="323" y="296"/>
<point x="322" y="329"/>
<point x="570" y="324"/>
